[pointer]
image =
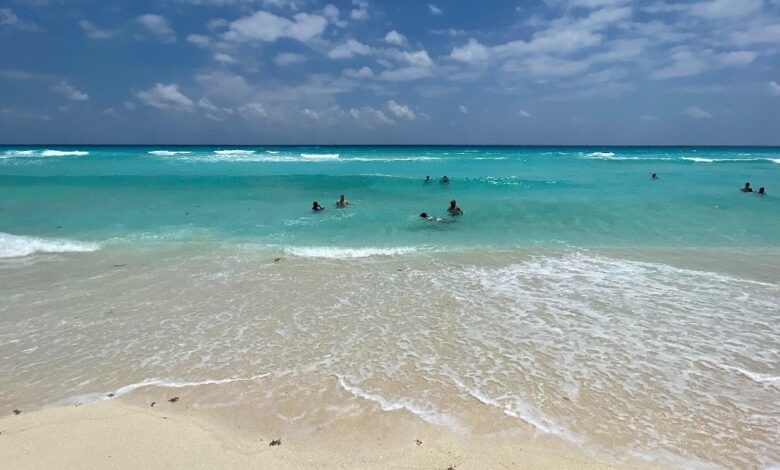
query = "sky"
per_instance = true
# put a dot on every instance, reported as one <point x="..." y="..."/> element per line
<point x="493" y="72"/>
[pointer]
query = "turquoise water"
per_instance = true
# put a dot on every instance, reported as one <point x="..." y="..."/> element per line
<point x="511" y="196"/>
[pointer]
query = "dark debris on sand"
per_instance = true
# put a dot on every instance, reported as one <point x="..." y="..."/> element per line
<point x="110" y="395"/>
<point x="275" y="442"/>
<point x="17" y="411"/>
<point x="277" y="260"/>
<point x="173" y="400"/>
<point x="418" y="442"/>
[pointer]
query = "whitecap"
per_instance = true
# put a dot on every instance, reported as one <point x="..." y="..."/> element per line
<point x="18" y="153"/>
<point x="64" y="153"/>
<point x="234" y="152"/>
<point x="320" y="156"/>
<point x="600" y="155"/>
<point x="12" y="246"/>
<point x="345" y="253"/>
<point x="168" y="153"/>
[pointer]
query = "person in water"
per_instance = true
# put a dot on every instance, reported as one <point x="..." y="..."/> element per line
<point x="428" y="179"/>
<point x="761" y="191"/>
<point x="342" y="202"/>
<point x="444" y="180"/>
<point x="747" y="188"/>
<point x="428" y="218"/>
<point x="316" y="207"/>
<point x="654" y="176"/>
<point x="454" y="209"/>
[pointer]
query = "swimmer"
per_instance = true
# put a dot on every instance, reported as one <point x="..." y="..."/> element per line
<point x="428" y="179"/>
<point x="342" y="202"/>
<point x="444" y="180"/>
<point x="439" y="220"/>
<point x="316" y="207"/>
<point x="654" y="176"/>
<point x="761" y="191"/>
<point x="454" y="209"/>
<point x="747" y="188"/>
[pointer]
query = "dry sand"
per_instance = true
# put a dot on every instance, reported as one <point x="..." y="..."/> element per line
<point x="113" y="434"/>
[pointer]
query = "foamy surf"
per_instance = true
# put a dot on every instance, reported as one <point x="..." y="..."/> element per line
<point x="320" y="156"/>
<point x="12" y="246"/>
<point x="162" y="383"/>
<point x="43" y="153"/>
<point x="64" y="153"/>
<point x="169" y="153"/>
<point x="234" y="152"/>
<point x="424" y="412"/>
<point x="330" y="252"/>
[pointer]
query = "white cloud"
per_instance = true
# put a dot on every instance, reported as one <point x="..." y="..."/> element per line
<point x="524" y="114"/>
<point x="283" y="59"/>
<point x="158" y="26"/>
<point x="725" y="9"/>
<point x="264" y="26"/>
<point x="417" y="58"/>
<point x="687" y="63"/>
<point x="206" y="104"/>
<point x="93" y="32"/>
<point x="225" y="84"/>
<point x="434" y="9"/>
<point x="66" y="89"/>
<point x="253" y="110"/>
<point x="684" y="63"/>
<point x="363" y="72"/>
<point x="360" y="12"/>
<point x="463" y="109"/>
<point x="395" y="38"/>
<point x="9" y="19"/>
<point x="697" y="113"/>
<point x="774" y="88"/>
<point x="349" y="49"/>
<point x="768" y="33"/>
<point x="332" y="13"/>
<point x="223" y="58"/>
<point x="199" y="40"/>
<point x="401" y="111"/>
<point x="471" y="53"/>
<point x="370" y="117"/>
<point x="406" y="74"/>
<point x="163" y="96"/>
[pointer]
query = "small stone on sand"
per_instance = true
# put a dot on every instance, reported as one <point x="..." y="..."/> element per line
<point x="17" y="412"/>
<point x="275" y="442"/>
<point x="173" y="400"/>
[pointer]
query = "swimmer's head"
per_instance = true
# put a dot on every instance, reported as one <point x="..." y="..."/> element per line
<point x="761" y="190"/>
<point x="747" y="185"/>
<point x="423" y="215"/>
<point x="453" y="203"/>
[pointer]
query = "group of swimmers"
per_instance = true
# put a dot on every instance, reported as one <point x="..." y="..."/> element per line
<point x="443" y="180"/>
<point x="748" y="189"/>
<point x="453" y="210"/>
<point x="341" y="203"/>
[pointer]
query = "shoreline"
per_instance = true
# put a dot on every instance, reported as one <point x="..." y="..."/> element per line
<point x="121" y="435"/>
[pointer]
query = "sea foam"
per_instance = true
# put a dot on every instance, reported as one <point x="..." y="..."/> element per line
<point x="331" y="252"/>
<point x="12" y="246"/>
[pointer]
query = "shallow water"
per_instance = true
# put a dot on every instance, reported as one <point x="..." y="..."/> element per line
<point x="643" y="323"/>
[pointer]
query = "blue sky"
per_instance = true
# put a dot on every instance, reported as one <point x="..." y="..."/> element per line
<point x="390" y="72"/>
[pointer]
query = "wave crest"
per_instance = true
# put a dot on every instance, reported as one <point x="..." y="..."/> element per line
<point x="12" y="246"/>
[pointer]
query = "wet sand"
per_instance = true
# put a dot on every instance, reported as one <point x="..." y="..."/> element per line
<point x="113" y="434"/>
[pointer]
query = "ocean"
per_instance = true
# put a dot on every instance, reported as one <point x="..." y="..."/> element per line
<point x="575" y="297"/>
